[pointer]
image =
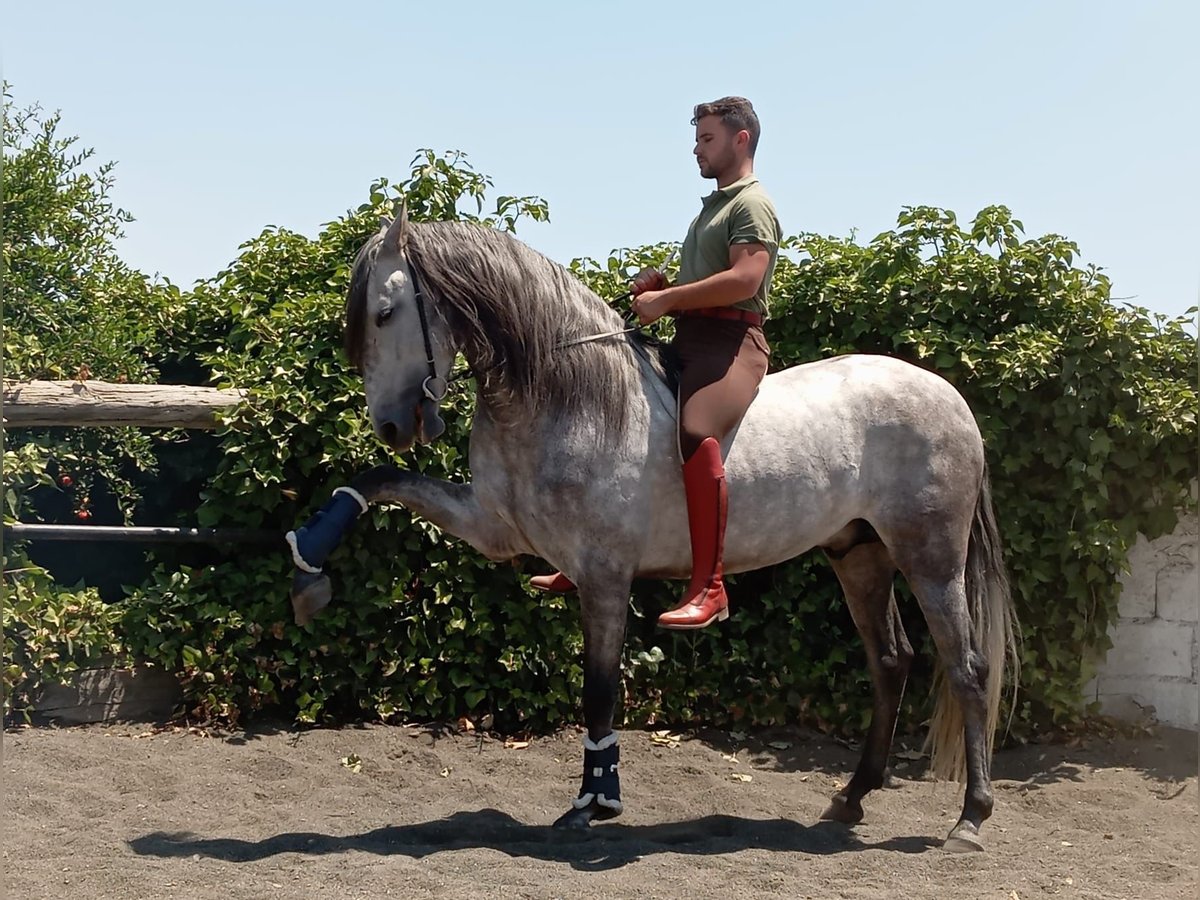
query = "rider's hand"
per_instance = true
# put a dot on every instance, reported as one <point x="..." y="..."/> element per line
<point x="648" y="280"/>
<point x="650" y="306"/>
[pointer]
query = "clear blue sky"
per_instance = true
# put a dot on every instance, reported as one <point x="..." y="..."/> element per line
<point x="227" y="117"/>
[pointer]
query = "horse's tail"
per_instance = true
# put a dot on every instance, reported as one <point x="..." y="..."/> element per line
<point x="994" y="633"/>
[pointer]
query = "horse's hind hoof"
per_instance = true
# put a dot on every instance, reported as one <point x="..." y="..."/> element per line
<point x="841" y="810"/>
<point x="581" y="819"/>
<point x="311" y="593"/>
<point x="963" y="839"/>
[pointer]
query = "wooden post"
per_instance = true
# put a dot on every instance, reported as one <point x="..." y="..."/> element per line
<point x="30" y="404"/>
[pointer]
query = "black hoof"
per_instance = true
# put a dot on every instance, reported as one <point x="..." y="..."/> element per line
<point x="581" y="819"/>
<point x="311" y="593"/>
<point x="963" y="839"/>
<point x="840" y="809"/>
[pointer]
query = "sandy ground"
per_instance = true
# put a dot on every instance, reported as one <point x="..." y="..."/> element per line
<point x="392" y="811"/>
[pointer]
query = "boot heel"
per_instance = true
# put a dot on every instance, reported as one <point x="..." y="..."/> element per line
<point x="723" y="614"/>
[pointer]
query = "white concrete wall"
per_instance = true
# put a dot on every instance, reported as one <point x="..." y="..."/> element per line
<point x="1151" y="672"/>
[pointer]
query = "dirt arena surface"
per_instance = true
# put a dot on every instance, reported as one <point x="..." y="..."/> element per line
<point x="130" y="811"/>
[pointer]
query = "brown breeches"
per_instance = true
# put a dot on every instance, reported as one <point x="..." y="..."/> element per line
<point x="722" y="363"/>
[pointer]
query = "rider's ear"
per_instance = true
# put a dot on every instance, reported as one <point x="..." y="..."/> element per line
<point x="397" y="233"/>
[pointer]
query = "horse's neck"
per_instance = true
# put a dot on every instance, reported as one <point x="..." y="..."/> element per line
<point x="588" y="307"/>
<point x="554" y="329"/>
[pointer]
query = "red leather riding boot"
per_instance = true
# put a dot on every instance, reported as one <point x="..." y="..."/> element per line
<point x="704" y="483"/>
<point x="558" y="583"/>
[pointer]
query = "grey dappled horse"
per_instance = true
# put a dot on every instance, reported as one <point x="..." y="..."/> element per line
<point x="574" y="459"/>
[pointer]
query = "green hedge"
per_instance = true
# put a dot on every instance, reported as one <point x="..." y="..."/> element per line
<point x="1088" y="413"/>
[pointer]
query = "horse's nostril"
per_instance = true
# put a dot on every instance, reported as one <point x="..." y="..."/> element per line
<point x="390" y="433"/>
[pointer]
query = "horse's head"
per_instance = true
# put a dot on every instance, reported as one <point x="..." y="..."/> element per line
<point x="399" y="341"/>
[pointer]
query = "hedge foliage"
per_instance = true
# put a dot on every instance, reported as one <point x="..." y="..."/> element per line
<point x="1088" y="412"/>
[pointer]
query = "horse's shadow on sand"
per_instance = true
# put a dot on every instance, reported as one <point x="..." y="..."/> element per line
<point x="608" y="846"/>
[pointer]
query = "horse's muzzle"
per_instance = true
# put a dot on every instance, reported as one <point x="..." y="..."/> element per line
<point x="429" y="422"/>
<point x="423" y="424"/>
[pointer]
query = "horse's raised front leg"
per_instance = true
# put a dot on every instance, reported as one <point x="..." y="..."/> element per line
<point x="452" y="507"/>
<point x="605" y="603"/>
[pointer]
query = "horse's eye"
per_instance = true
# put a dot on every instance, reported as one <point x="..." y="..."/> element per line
<point x="382" y="316"/>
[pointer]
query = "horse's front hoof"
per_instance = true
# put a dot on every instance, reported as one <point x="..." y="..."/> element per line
<point x="963" y="839"/>
<point x="840" y="809"/>
<point x="581" y="819"/>
<point x="311" y="593"/>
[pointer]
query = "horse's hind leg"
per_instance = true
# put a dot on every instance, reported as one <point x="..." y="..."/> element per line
<point x="959" y="731"/>
<point x="866" y="572"/>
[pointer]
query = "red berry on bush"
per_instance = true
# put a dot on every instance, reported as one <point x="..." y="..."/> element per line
<point x="66" y="481"/>
<point x="83" y="515"/>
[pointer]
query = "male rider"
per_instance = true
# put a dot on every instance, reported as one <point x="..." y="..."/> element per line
<point x="720" y="302"/>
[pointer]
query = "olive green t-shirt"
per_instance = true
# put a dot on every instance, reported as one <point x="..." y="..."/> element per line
<point x="740" y="213"/>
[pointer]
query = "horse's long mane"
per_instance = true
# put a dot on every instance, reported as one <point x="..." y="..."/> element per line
<point x="511" y="310"/>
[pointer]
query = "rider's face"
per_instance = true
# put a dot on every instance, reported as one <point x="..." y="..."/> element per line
<point x="716" y="146"/>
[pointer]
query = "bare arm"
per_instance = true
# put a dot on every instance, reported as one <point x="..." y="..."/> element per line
<point x="747" y="267"/>
<point x="748" y="264"/>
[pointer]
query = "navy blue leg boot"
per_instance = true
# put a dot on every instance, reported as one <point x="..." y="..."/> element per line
<point x="313" y="541"/>
<point x="311" y="545"/>
<point x="601" y="781"/>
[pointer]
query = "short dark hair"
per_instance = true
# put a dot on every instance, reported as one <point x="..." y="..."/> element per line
<point x="735" y="112"/>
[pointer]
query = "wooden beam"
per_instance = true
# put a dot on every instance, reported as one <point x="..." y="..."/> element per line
<point x="142" y="534"/>
<point x="28" y="404"/>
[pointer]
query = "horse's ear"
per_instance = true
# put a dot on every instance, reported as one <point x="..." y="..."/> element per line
<point x="397" y="233"/>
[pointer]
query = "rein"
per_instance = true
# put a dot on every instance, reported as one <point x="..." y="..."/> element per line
<point x="629" y="316"/>
<point x="633" y="326"/>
